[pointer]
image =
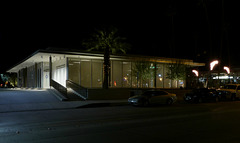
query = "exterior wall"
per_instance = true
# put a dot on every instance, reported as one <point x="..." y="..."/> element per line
<point x="22" y="77"/>
<point x="46" y="77"/>
<point x="35" y="76"/>
<point x="31" y="76"/>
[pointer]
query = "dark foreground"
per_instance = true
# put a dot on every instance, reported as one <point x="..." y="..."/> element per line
<point x="207" y="122"/>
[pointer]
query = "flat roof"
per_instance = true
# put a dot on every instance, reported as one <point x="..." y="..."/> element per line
<point x="43" y="56"/>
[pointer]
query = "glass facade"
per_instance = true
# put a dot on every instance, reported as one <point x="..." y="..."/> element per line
<point x="159" y="75"/>
<point x="60" y="75"/>
<point x="97" y="73"/>
<point x="123" y="74"/>
<point x="167" y="82"/>
<point x="134" y="76"/>
<point x="152" y="76"/>
<point x="85" y="73"/>
<point x="74" y="70"/>
<point x="117" y="73"/>
<point x="127" y="74"/>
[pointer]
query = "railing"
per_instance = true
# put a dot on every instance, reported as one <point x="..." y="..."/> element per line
<point x="59" y="87"/>
<point x="77" y="89"/>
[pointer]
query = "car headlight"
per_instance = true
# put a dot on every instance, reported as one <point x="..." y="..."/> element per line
<point x="132" y="100"/>
<point x="135" y="100"/>
<point x="188" y="98"/>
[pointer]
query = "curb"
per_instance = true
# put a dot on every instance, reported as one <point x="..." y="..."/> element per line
<point x="87" y="105"/>
<point x="105" y="104"/>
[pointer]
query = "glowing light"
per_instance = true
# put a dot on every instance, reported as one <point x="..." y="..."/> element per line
<point x="195" y="72"/>
<point x="223" y="77"/>
<point x="212" y="64"/>
<point x="227" y="69"/>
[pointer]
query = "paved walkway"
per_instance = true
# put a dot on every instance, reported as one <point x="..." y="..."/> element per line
<point x="19" y="100"/>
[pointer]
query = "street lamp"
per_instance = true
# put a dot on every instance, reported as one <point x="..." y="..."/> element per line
<point x="227" y="69"/>
<point x="212" y="64"/>
<point x="195" y="72"/>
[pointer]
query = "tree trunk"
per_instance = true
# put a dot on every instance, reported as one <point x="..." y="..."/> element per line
<point x="106" y="66"/>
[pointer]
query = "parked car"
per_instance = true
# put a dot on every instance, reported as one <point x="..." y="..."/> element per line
<point x="153" y="97"/>
<point x="229" y="91"/>
<point x="201" y="95"/>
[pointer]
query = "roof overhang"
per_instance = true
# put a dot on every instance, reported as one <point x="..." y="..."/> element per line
<point x="43" y="56"/>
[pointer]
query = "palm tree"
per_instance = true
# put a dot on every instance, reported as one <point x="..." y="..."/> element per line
<point x="204" y="5"/>
<point x="108" y="41"/>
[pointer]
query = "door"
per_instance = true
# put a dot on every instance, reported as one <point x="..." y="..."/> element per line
<point x="46" y="79"/>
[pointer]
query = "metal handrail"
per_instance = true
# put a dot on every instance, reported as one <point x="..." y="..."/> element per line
<point x="81" y="91"/>
<point x="59" y="87"/>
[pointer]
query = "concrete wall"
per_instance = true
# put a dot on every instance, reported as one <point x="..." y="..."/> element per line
<point x="108" y="94"/>
<point x="125" y="93"/>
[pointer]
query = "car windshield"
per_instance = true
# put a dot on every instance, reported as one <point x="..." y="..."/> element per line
<point x="230" y="87"/>
<point x="148" y="93"/>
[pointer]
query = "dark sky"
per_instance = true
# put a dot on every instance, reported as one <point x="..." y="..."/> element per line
<point x="146" y="25"/>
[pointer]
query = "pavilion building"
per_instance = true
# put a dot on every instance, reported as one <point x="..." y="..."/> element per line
<point x="44" y="68"/>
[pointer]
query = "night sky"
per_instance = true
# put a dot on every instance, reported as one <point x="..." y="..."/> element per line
<point x="149" y="27"/>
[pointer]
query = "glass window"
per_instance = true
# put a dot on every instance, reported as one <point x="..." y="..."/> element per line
<point x="134" y="76"/>
<point x="181" y="84"/>
<point x="74" y="70"/>
<point x="126" y="74"/>
<point x="117" y="74"/>
<point x="61" y="75"/>
<point x="152" y="76"/>
<point x="167" y="81"/>
<point x="143" y="74"/>
<point x="85" y="73"/>
<point x="174" y="83"/>
<point x="162" y="93"/>
<point x="97" y="72"/>
<point x="159" y="76"/>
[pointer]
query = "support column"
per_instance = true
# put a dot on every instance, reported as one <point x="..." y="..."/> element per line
<point x="35" y="75"/>
<point x="50" y="71"/>
<point x="67" y="68"/>
<point x="155" y="74"/>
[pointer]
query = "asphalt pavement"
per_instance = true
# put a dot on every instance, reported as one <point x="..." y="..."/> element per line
<point x="19" y="100"/>
<point x="181" y="123"/>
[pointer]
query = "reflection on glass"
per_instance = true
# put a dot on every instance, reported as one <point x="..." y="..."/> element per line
<point x="97" y="72"/>
<point x="74" y="70"/>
